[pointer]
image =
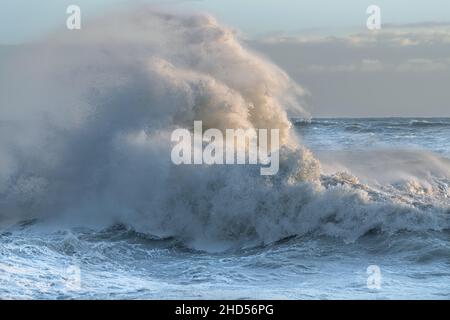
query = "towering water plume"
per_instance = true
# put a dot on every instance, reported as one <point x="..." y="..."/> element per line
<point x="86" y="120"/>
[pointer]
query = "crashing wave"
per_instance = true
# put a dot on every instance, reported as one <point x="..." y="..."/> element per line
<point x="85" y="138"/>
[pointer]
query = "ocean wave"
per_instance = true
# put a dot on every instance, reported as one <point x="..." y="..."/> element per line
<point x="97" y="150"/>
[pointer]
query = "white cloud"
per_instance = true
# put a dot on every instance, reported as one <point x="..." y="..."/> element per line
<point x="395" y="71"/>
<point x="366" y="65"/>
<point x="409" y="35"/>
<point x="423" y="65"/>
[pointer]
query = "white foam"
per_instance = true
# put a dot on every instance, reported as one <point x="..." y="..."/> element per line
<point x="86" y="124"/>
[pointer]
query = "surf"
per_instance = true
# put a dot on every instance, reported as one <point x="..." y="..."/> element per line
<point x="89" y="144"/>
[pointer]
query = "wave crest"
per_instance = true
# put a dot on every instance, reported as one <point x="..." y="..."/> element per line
<point x="89" y="142"/>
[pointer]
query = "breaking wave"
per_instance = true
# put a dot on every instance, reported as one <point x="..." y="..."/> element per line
<point x="85" y="139"/>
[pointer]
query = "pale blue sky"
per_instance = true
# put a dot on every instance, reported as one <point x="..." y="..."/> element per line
<point x="25" y="20"/>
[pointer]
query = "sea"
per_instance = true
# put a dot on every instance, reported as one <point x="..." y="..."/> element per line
<point x="390" y="239"/>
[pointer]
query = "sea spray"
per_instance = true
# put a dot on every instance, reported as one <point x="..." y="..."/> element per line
<point x="86" y="126"/>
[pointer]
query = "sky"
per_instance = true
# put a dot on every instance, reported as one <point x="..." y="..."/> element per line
<point x="25" y="20"/>
<point x="401" y="70"/>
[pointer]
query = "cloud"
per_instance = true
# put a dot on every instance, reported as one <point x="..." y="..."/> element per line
<point x="425" y="46"/>
<point x="423" y="65"/>
<point x="395" y="71"/>
<point x="391" y="35"/>
<point x="369" y="65"/>
<point x="366" y="65"/>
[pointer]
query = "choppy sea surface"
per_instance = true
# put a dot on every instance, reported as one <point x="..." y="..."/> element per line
<point x="405" y="160"/>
